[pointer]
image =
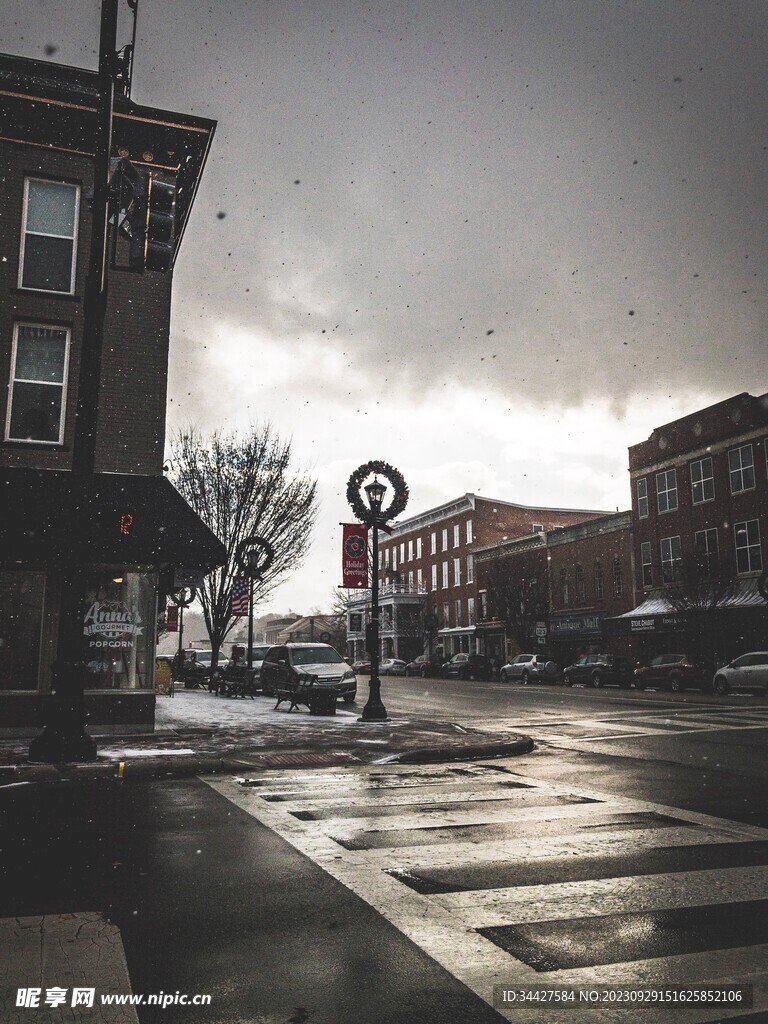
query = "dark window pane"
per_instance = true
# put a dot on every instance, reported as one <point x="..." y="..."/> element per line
<point x="47" y="263"/>
<point x="36" y="412"/>
<point x="40" y="354"/>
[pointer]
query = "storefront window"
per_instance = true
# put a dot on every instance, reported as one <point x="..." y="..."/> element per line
<point x="118" y="630"/>
<point x="21" y="611"/>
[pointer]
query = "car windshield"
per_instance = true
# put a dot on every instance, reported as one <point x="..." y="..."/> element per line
<point x="316" y="656"/>
<point x="259" y="653"/>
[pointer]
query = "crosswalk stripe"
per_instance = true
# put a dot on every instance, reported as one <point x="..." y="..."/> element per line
<point x="370" y="828"/>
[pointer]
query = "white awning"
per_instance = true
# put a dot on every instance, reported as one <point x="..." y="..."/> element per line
<point x="744" y="594"/>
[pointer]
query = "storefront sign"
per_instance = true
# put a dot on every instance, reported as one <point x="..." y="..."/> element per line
<point x="654" y="623"/>
<point x="569" y="625"/>
<point x="111" y="624"/>
<point x="354" y="561"/>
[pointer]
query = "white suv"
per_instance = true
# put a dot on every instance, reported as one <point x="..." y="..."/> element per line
<point x="285" y="662"/>
<point x="529" y="668"/>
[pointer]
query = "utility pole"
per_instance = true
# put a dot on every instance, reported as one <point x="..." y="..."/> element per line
<point x="64" y="737"/>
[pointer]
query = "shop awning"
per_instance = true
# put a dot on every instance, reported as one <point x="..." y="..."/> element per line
<point x="130" y="519"/>
<point x="743" y="594"/>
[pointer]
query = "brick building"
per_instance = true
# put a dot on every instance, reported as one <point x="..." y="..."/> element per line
<point x="556" y="591"/>
<point x="700" y="509"/>
<point x="428" y="591"/>
<point x="143" y="538"/>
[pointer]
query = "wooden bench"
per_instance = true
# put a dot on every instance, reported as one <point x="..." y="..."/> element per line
<point x="321" y="700"/>
<point x="237" y="681"/>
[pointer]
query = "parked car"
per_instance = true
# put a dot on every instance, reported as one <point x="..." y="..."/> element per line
<point x="467" y="666"/>
<point x="197" y="672"/>
<point x="258" y="654"/>
<point x="425" y="665"/>
<point x="363" y="667"/>
<point x="529" y="668"/>
<point x="599" y="670"/>
<point x="392" y="667"/>
<point x="747" y="672"/>
<point x="283" y="663"/>
<point x="671" y="671"/>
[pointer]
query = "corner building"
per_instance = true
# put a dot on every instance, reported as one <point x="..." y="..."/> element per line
<point x="143" y="539"/>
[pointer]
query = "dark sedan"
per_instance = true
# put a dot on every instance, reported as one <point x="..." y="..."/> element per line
<point x="672" y="672"/>
<point x="599" y="670"/>
<point x="425" y="665"/>
<point x="467" y="666"/>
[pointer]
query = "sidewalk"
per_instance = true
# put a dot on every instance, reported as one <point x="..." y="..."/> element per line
<point x="197" y="732"/>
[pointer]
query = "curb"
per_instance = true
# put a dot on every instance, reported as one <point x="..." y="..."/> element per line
<point x="430" y="755"/>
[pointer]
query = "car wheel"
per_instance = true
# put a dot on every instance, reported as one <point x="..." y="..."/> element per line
<point x="423" y="673"/>
<point x="720" y="686"/>
<point x="676" y="684"/>
<point x="349" y="698"/>
<point x="525" y="678"/>
<point x="567" y="679"/>
<point x="639" y="684"/>
<point x="503" y="677"/>
<point x="597" y="680"/>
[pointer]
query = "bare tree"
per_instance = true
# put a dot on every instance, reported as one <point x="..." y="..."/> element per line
<point x="699" y="586"/>
<point x="518" y="594"/>
<point x="243" y="487"/>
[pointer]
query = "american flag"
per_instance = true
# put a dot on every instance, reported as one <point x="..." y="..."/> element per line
<point x="240" y="595"/>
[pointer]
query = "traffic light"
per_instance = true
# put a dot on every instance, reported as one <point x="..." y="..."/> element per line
<point x="147" y="217"/>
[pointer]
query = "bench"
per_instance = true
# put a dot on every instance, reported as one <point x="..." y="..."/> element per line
<point x="237" y="681"/>
<point x="321" y="700"/>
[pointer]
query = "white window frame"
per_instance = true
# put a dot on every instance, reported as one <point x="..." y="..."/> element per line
<point x="410" y="550"/>
<point x="671" y="553"/>
<point x="599" y="580"/>
<point x="457" y="572"/>
<point x="419" y="580"/>
<point x="402" y="553"/>
<point x="470" y="611"/>
<point x="753" y="547"/>
<point x="14" y="380"/>
<point x="433" y="543"/>
<point x="470" y="569"/>
<point x="386" y="558"/>
<point x="642" y="498"/>
<point x="445" y="575"/>
<point x="646" y="549"/>
<point x="738" y="472"/>
<point x="445" y="539"/>
<point x="434" y="576"/>
<point x="456" y="535"/>
<point x="418" y="547"/>
<point x="581" y="586"/>
<point x="457" y="611"/>
<point x="663" y="478"/>
<point x="73" y="238"/>
<point x="700" y="481"/>
<point x="469" y="531"/>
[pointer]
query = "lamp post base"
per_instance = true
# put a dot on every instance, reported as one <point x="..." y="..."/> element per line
<point x="374" y="710"/>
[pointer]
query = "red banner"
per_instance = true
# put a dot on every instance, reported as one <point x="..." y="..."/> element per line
<point x="172" y="619"/>
<point x="354" y="559"/>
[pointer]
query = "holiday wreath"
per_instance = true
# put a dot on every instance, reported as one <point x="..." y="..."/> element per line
<point x="361" y="510"/>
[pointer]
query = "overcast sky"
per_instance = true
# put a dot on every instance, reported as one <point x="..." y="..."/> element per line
<point x="492" y="242"/>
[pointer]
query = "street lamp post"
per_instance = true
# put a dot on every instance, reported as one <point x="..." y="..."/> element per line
<point x="374" y="710"/>
<point x="254" y="556"/>
<point x="376" y="518"/>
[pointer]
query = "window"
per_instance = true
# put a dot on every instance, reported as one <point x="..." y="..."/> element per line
<point x="419" y="580"/>
<point x="642" y="498"/>
<point x="483" y="607"/>
<point x="38" y="384"/>
<point x="647" y="563"/>
<point x="445" y="540"/>
<point x="537" y="528"/>
<point x="456" y="538"/>
<point x="457" y="612"/>
<point x="470" y="611"/>
<point x="457" y="572"/>
<point x="394" y="558"/>
<point x="564" y="587"/>
<point x="671" y="558"/>
<point x="381" y="554"/>
<point x="49" y="236"/>
<point x="469" y="531"/>
<point x="618" y="581"/>
<point x="445" y="575"/>
<point x="702" y="481"/>
<point x="470" y="569"/>
<point x="434" y="576"/>
<point x="706" y="547"/>
<point x="749" y="556"/>
<point x="386" y="558"/>
<point x="599" y="584"/>
<point x="741" y="464"/>
<point x="581" y="590"/>
<point x="433" y="543"/>
<point x="666" y="490"/>
<point x="418" y="547"/>
<point x="410" y="581"/>
<point x="446" y="615"/>
<point x="410" y="550"/>
<point x="402" y="553"/>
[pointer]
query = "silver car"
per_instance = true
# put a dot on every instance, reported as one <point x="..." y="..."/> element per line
<point x="747" y="672"/>
<point x="529" y="668"/>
